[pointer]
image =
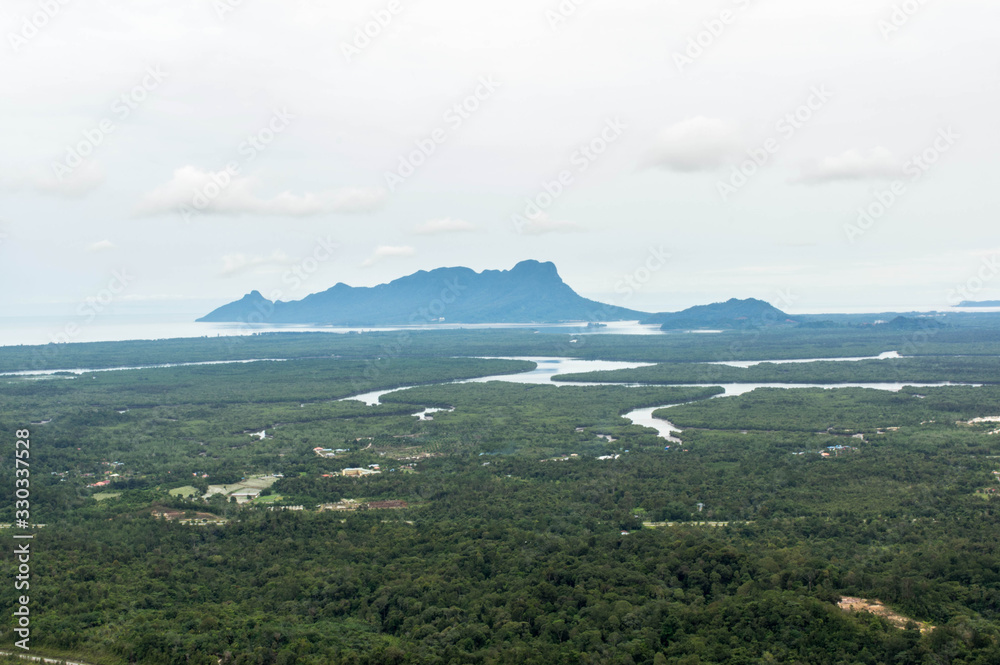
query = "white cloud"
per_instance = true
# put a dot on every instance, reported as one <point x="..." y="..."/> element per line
<point x="387" y="251"/>
<point x="223" y="193"/>
<point x="101" y="246"/>
<point x="446" y="225"/>
<point x="695" y="144"/>
<point x="542" y="223"/>
<point x="851" y="165"/>
<point x="233" y="264"/>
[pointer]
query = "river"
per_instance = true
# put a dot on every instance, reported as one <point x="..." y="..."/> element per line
<point x="16" y="330"/>
<point x="545" y="369"/>
<point x="548" y="367"/>
<point x="888" y="355"/>
<point x="51" y="372"/>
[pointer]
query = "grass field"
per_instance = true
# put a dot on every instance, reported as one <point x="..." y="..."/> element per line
<point x="271" y="498"/>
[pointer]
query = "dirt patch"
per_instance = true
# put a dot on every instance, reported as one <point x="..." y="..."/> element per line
<point x="386" y="505"/>
<point x="181" y="516"/>
<point x="851" y="604"/>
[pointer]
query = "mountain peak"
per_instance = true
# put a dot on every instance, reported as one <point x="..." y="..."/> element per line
<point x="536" y="267"/>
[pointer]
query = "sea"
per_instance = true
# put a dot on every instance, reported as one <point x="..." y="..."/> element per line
<point x="30" y="330"/>
<point x="114" y="327"/>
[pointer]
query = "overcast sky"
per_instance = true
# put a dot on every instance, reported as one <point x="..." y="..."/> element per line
<point x="661" y="153"/>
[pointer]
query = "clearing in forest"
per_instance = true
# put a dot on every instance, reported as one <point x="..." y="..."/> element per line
<point x="852" y="604"/>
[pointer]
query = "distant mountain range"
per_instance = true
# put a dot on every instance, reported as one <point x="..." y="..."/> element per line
<point x="531" y="292"/>
<point x="979" y="303"/>
<point x="734" y="313"/>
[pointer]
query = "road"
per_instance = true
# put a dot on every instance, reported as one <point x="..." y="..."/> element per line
<point x="41" y="659"/>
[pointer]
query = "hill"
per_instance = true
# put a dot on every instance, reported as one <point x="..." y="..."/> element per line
<point x="907" y="323"/>
<point x="531" y="292"/>
<point x="734" y="313"/>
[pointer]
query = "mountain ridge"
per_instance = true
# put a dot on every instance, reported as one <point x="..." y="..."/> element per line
<point x="530" y="292"/>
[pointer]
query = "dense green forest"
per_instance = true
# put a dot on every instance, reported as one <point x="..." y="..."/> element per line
<point x="522" y="523"/>
<point x="854" y="410"/>
<point x="927" y="369"/>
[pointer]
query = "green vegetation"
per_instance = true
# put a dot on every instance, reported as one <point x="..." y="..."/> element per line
<point x="928" y="369"/>
<point x="500" y="418"/>
<point x="271" y="498"/>
<point x="508" y="545"/>
<point x="844" y="409"/>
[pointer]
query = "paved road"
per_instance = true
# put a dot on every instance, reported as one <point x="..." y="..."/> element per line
<point x="40" y="659"/>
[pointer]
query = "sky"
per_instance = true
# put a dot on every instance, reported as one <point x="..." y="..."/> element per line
<point x="175" y="155"/>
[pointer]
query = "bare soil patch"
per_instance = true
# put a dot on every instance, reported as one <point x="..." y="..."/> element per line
<point x="851" y="604"/>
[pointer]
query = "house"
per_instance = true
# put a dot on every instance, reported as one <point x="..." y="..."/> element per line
<point x="246" y="495"/>
<point x="357" y="473"/>
<point x="343" y="504"/>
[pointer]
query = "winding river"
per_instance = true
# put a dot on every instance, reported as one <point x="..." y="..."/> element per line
<point x="548" y="367"/>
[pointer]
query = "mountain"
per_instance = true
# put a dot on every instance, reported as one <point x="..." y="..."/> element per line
<point x="531" y="292"/>
<point x="734" y="313"/>
<point x="907" y="323"/>
<point x="979" y="303"/>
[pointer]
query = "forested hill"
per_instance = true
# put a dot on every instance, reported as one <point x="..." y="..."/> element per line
<point x="531" y="292"/>
<point x="733" y="313"/>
